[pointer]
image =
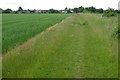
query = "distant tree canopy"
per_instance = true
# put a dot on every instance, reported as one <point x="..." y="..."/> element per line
<point x="117" y="11"/>
<point x="66" y="8"/>
<point x="81" y="9"/>
<point x="7" y="11"/>
<point x="106" y="13"/>
<point x="32" y="11"/>
<point x="99" y="10"/>
<point x="92" y="9"/>
<point x="52" y="11"/>
<point x="110" y="12"/>
<point x="88" y="9"/>
<point x="69" y="11"/>
<point x="20" y="9"/>
<point x="76" y="10"/>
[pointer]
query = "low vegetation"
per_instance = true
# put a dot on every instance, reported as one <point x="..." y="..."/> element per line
<point x="81" y="46"/>
<point x="19" y="28"/>
<point x="117" y="30"/>
<point x="0" y="34"/>
<point x="110" y="13"/>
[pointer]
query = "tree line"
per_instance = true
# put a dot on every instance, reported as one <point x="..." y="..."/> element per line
<point x="109" y="12"/>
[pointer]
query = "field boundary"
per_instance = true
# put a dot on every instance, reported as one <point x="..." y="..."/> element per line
<point x="24" y="44"/>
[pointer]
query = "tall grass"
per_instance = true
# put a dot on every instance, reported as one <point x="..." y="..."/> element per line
<point x="18" y="28"/>
<point x="0" y="33"/>
<point x="81" y="46"/>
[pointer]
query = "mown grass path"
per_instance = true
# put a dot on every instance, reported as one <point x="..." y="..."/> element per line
<point x="81" y="46"/>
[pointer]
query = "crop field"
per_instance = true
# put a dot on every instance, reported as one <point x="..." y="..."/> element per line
<point x="81" y="46"/>
<point x="19" y="28"/>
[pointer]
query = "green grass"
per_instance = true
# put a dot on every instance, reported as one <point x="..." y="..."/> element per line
<point x="0" y="33"/>
<point x="0" y="46"/>
<point x="81" y="46"/>
<point x="17" y="28"/>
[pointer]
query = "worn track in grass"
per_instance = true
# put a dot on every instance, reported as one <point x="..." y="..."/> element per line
<point x="80" y="46"/>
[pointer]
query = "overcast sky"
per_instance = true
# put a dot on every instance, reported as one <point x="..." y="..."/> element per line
<point x="57" y="4"/>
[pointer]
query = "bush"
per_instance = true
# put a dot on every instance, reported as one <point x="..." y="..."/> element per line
<point x="116" y="32"/>
<point x="109" y="13"/>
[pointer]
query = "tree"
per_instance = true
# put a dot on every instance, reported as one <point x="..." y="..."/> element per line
<point x="7" y="11"/>
<point x="32" y="11"/>
<point x="76" y="10"/>
<point x="109" y="13"/>
<point x="66" y="8"/>
<point x="117" y="11"/>
<point x="99" y="10"/>
<point x="81" y="9"/>
<point x="86" y="10"/>
<point x="92" y="9"/>
<point x="20" y="9"/>
<point x="52" y="11"/>
<point x="69" y="11"/>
